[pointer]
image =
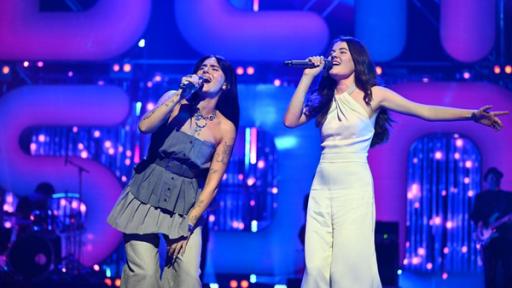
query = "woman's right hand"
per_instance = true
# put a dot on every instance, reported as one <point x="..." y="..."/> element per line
<point x="189" y="84"/>
<point x="319" y="62"/>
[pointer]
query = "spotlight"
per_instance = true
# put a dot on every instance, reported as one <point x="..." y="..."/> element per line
<point x="150" y="106"/>
<point x="84" y="154"/>
<point x="251" y="181"/>
<point x="249" y="70"/>
<point x="497" y="69"/>
<point x="508" y="69"/>
<point x="127" y="67"/>
<point x="378" y="70"/>
<point x="6" y="69"/>
<point x="233" y="284"/>
<point x="239" y="70"/>
<point x="157" y="78"/>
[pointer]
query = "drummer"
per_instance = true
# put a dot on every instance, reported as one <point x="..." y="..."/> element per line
<point x="39" y="201"/>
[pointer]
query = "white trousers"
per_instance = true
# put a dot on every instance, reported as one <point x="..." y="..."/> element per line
<point x="142" y="268"/>
<point x="340" y="245"/>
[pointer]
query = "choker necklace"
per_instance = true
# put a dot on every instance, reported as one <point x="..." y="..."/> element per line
<point x="201" y="121"/>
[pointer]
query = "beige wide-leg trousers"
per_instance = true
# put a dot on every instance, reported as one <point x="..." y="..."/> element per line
<point x="142" y="268"/>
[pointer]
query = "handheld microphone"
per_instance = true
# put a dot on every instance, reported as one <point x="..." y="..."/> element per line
<point x="307" y="64"/>
<point x="189" y="87"/>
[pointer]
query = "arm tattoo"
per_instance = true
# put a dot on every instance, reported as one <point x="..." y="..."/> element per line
<point x="213" y="171"/>
<point x="226" y="152"/>
<point x="166" y="103"/>
<point x="199" y="204"/>
<point x="146" y="117"/>
<point x="192" y="216"/>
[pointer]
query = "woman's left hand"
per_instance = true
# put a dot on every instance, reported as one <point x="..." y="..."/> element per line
<point x="485" y="117"/>
<point x="177" y="246"/>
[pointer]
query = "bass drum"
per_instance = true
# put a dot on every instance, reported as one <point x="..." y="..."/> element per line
<point x="33" y="255"/>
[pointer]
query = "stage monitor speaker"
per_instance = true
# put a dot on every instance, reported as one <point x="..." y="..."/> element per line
<point x="386" y="246"/>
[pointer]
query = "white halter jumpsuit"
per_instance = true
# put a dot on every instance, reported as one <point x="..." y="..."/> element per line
<point x="340" y="248"/>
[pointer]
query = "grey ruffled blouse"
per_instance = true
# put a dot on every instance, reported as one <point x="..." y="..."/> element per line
<point x="166" y="184"/>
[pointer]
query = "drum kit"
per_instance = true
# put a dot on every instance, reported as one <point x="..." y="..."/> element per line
<point x="46" y="241"/>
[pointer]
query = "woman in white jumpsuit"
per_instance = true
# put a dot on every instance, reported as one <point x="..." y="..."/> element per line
<point x="351" y="112"/>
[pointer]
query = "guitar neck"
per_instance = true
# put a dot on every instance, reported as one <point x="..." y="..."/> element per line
<point x="502" y="221"/>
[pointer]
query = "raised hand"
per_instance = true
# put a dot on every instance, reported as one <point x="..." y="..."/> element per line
<point x="190" y="84"/>
<point x="488" y="118"/>
<point x="319" y="62"/>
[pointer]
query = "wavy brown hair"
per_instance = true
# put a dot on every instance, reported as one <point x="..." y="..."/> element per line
<point x="365" y="77"/>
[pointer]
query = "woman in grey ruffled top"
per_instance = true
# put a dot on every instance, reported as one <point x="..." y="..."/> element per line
<point x="193" y="132"/>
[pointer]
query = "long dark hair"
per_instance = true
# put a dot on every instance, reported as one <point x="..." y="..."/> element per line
<point x="365" y="78"/>
<point x="228" y="101"/>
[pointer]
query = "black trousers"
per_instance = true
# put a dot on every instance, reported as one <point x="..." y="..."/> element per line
<point x="497" y="259"/>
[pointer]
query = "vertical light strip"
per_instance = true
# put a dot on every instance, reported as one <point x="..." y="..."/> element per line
<point x="247" y="150"/>
<point x="255" y="5"/>
<point x="254" y="145"/>
<point x="136" y="154"/>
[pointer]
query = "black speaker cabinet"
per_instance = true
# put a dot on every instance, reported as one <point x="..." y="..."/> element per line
<point x="386" y="246"/>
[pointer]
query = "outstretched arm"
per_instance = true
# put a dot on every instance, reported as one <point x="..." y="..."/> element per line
<point x="392" y="100"/>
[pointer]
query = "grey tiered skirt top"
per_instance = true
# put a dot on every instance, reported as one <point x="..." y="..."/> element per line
<point x="164" y="189"/>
